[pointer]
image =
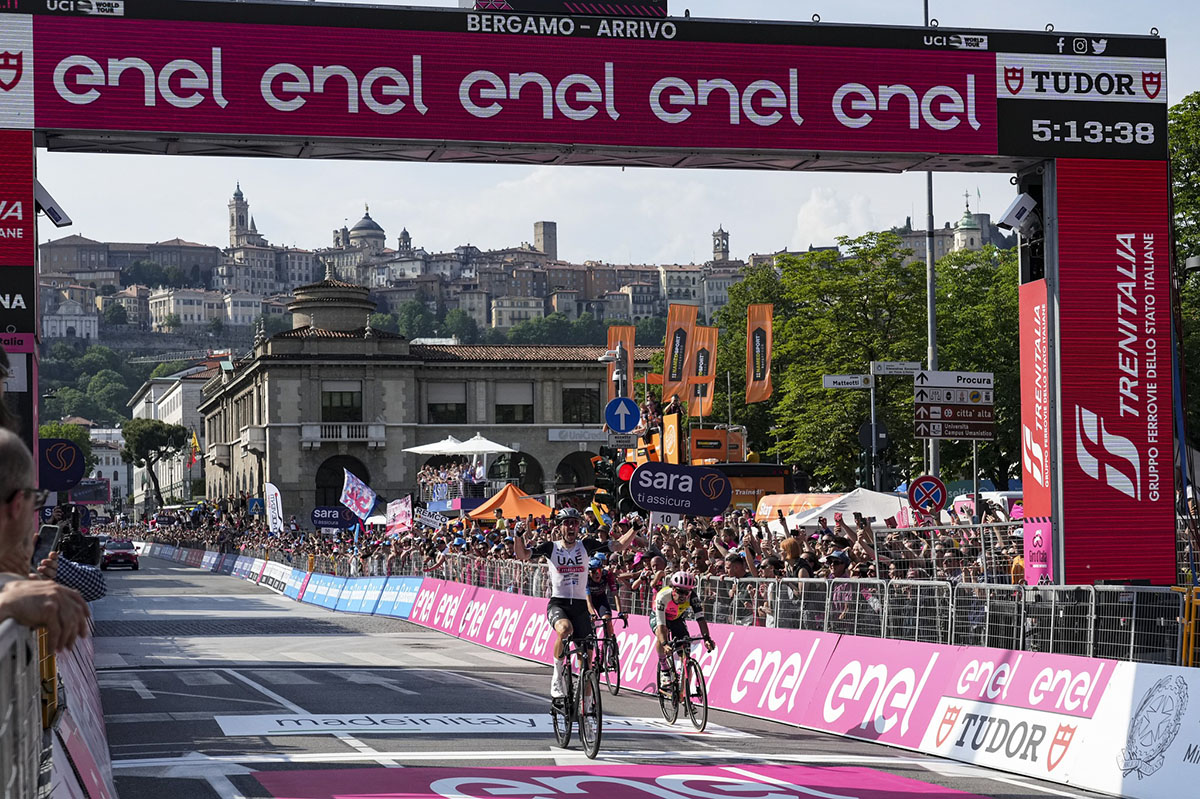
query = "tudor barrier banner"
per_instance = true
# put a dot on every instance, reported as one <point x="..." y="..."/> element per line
<point x="706" y="368"/>
<point x="624" y="334"/>
<point x="758" y="352"/>
<point x="1114" y="322"/>
<point x="681" y="330"/>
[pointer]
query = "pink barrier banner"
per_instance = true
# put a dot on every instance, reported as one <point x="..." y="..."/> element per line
<point x="441" y="604"/>
<point x="601" y="782"/>
<point x="511" y="623"/>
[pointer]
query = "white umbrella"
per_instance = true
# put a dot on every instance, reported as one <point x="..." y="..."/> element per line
<point x="448" y="446"/>
<point x="481" y="446"/>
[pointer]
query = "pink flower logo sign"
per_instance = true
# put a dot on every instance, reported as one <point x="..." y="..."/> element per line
<point x="357" y="495"/>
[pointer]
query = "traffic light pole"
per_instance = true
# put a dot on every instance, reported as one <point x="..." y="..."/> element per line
<point x="874" y="437"/>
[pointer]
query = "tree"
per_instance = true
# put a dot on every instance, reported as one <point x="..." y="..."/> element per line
<point x="108" y="390"/>
<point x="274" y="323"/>
<point x="169" y="368"/>
<point x="414" y="320"/>
<point x="385" y="322"/>
<point x="462" y="325"/>
<point x="651" y="332"/>
<point x="74" y="433"/>
<point x="71" y="402"/>
<point x="1183" y="144"/>
<point x="107" y="290"/>
<point x="978" y="314"/>
<point x="172" y="322"/>
<point x="149" y="442"/>
<point x="216" y="325"/>
<point x="115" y="314"/>
<point x="588" y="330"/>
<point x="144" y="273"/>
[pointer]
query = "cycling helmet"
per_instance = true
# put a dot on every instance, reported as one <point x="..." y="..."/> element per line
<point x="596" y="562"/>
<point x="569" y="513"/>
<point x="684" y="580"/>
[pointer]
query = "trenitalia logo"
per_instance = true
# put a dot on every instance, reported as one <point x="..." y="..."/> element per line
<point x="1033" y="457"/>
<point x="1096" y="448"/>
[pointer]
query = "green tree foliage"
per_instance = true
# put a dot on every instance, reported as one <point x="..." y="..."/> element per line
<point x="385" y="322"/>
<point x="650" y="332"/>
<point x="1184" y="146"/>
<point x="978" y="314"/>
<point x="461" y="324"/>
<point x="172" y="322"/>
<point x="148" y="273"/>
<point x="149" y="442"/>
<point x="75" y="433"/>
<point x="169" y="368"/>
<point x="216" y="325"/>
<point x="274" y="323"/>
<point x="107" y="389"/>
<point x="414" y="320"/>
<point x="115" y="314"/>
<point x="94" y="383"/>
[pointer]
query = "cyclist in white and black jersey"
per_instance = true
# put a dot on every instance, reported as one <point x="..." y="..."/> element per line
<point x="568" y="613"/>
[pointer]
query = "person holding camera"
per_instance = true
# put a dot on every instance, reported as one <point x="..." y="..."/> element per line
<point x="24" y="597"/>
<point x="65" y="569"/>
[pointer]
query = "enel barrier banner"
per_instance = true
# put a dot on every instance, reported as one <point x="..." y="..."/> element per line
<point x="1122" y="728"/>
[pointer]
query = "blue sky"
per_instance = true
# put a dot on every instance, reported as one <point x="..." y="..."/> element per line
<point x="612" y="215"/>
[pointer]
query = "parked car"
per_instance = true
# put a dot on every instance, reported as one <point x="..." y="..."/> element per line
<point x="119" y="553"/>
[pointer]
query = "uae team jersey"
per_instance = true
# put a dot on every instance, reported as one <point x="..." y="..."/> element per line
<point x="569" y="566"/>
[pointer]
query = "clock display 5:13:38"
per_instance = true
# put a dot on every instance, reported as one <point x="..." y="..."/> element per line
<point x="1092" y="132"/>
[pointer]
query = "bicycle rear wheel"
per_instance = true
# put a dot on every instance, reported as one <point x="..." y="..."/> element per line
<point x="611" y="663"/>
<point x="591" y="713"/>
<point x="561" y="712"/>
<point x="695" y="696"/>
<point x="668" y="699"/>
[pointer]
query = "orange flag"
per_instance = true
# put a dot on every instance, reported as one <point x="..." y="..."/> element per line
<point x="680" y="348"/>
<point x="758" y="352"/>
<point x="705" y="373"/>
<point x="625" y="335"/>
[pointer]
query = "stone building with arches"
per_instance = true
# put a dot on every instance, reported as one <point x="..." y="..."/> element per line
<point x="333" y="393"/>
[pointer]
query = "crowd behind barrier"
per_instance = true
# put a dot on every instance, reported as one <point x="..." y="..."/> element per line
<point x="1122" y="728"/>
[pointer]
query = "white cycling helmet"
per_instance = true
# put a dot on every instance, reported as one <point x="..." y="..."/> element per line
<point x="684" y="580"/>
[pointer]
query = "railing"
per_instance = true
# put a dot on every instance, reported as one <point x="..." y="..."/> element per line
<point x="313" y="436"/>
<point x="20" y="712"/>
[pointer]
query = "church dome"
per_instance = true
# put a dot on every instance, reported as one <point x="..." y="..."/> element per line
<point x="968" y="221"/>
<point x="366" y="225"/>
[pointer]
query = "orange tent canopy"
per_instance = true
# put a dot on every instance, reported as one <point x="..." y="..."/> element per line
<point x="515" y="503"/>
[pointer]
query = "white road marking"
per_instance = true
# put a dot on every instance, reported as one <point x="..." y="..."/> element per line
<point x="349" y="740"/>
<point x="197" y="678"/>
<point x="282" y="677"/>
<point x="361" y="678"/>
<point x="127" y="683"/>
<point x="306" y="657"/>
<point x="223" y="786"/>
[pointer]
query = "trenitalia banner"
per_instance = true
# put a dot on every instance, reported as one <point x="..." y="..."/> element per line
<point x="624" y="334"/>
<point x="18" y="273"/>
<point x="706" y="367"/>
<point x="758" y="352"/>
<point x="444" y="76"/>
<point x="1035" y="431"/>
<point x="677" y="360"/>
<point x="1114" y="323"/>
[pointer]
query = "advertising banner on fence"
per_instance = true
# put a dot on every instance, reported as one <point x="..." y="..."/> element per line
<point x="1114" y="385"/>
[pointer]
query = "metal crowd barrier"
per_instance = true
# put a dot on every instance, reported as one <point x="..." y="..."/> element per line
<point x="20" y="712"/>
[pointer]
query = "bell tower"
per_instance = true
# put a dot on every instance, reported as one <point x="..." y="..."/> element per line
<point x="239" y="218"/>
<point x="721" y="244"/>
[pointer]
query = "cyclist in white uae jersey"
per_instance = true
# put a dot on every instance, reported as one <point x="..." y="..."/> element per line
<point x="568" y="612"/>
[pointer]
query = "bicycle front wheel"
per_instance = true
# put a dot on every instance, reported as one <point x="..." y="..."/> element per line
<point x="695" y="696"/>
<point x="560" y="713"/>
<point x="668" y="698"/>
<point x="591" y="714"/>
<point x="612" y="666"/>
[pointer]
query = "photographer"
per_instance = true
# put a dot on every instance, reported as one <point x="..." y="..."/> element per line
<point x="63" y="568"/>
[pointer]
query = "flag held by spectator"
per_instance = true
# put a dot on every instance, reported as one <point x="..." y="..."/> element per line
<point x="705" y="372"/>
<point x="274" y="504"/>
<point x="357" y="495"/>
<point x="680" y="349"/>
<point x="399" y="516"/>
<point x="758" y="352"/>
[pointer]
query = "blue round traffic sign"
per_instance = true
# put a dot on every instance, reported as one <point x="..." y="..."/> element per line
<point x="927" y="490"/>
<point x="622" y="415"/>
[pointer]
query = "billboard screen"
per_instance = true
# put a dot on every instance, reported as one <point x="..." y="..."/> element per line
<point x="555" y="81"/>
<point x="91" y="491"/>
<point x="1114" y="322"/>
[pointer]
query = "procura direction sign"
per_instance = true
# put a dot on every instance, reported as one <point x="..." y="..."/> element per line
<point x="687" y="490"/>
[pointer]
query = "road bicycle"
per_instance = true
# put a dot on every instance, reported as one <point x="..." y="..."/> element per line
<point x="580" y="703"/>
<point x="686" y="685"/>
<point x="608" y="656"/>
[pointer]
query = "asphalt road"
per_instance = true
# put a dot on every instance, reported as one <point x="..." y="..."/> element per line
<point x="207" y="679"/>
